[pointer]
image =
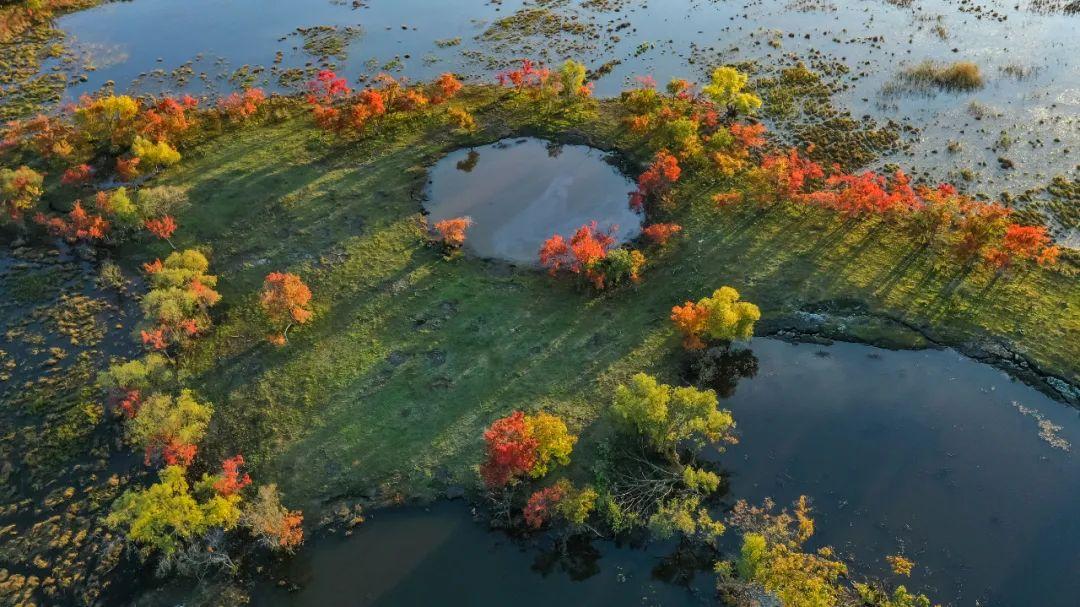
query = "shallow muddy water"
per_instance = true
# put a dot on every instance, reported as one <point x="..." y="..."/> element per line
<point x="519" y="192"/>
<point x="921" y="453"/>
<point x="1025" y="51"/>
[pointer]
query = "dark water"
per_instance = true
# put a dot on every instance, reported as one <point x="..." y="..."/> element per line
<point x="441" y="556"/>
<point x="924" y="453"/>
<point x="920" y="452"/>
<point x="519" y="192"/>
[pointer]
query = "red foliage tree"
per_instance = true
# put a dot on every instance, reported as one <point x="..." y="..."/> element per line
<point x="511" y="450"/>
<point x="167" y="119"/>
<point x="242" y="105"/>
<point x="230" y="481"/>
<point x="76" y="175"/>
<point x="129" y="403"/>
<point x="748" y="135"/>
<point x="866" y="194"/>
<point x="527" y="77"/>
<point x="657" y="180"/>
<point x="79" y="225"/>
<point x="174" y="453"/>
<point x="542" y="504"/>
<point x="587" y="246"/>
<point x="154" y="339"/>
<point x="789" y="174"/>
<point x="326" y="87"/>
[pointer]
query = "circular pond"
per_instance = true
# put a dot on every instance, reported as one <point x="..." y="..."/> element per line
<point x="518" y="192"/>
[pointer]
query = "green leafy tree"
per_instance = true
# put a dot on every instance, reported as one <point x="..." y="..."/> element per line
<point x="572" y="79"/>
<point x="900" y="597"/>
<point x="772" y="559"/>
<point x="666" y="416"/>
<point x="685" y="515"/>
<point x="153" y="155"/>
<point x="554" y="443"/>
<point x="169" y="426"/>
<point x="150" y="371"/>
<point x="181" y="294"/>
<point x="120" y="207"/>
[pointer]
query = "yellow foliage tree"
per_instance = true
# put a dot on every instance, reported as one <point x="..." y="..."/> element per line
<point x="726" y="89"/>
<point x="153" y="155"/>
<point x="720" y="317"/>
<point x="107" y="120"/>
<point x="553" y="441"/>
<point x="165" y="515"/>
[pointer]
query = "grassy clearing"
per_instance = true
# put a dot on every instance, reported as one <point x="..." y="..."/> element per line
<point x="410" y="356"/>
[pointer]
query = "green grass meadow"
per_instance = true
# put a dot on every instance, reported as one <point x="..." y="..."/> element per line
<point x="411" y="355"/>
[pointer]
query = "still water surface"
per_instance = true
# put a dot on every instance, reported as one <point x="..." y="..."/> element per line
<point x="519" y="192"/>
<point x="924" y="453"/>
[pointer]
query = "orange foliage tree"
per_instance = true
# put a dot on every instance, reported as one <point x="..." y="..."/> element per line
<point x="657" y="180"/>
<point x="80" y="225"/>
<point x="1031" y="243"/>
<point x="590" y="253"/>
<point x="661" y="233"/>
<point x="162" y="227"/>
<point x="452" y="232"/>
<point x="445" y="88"/>
<point x="285" y="300"/>
<point x="239" y="106"/>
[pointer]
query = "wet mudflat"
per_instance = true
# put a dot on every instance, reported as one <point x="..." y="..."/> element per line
<point x="1026" y="111"/>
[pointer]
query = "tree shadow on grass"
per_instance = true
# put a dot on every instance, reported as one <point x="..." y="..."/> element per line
<point x="887" y="280"/>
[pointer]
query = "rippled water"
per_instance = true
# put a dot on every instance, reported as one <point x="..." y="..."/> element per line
<point x="519" y="192"/>
<point x="924" y="453"/>
<point x="1027" y="57"/>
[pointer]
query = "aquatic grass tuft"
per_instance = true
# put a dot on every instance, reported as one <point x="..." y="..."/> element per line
<point x="929" y="77"/>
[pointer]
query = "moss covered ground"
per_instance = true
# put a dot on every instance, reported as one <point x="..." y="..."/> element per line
<point x="386" y="393"/>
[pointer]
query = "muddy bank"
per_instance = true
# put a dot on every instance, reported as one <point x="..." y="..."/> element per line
<point x="824" y="324"/>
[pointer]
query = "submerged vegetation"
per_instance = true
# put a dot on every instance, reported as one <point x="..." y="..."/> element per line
<point x="416" y="369"/>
